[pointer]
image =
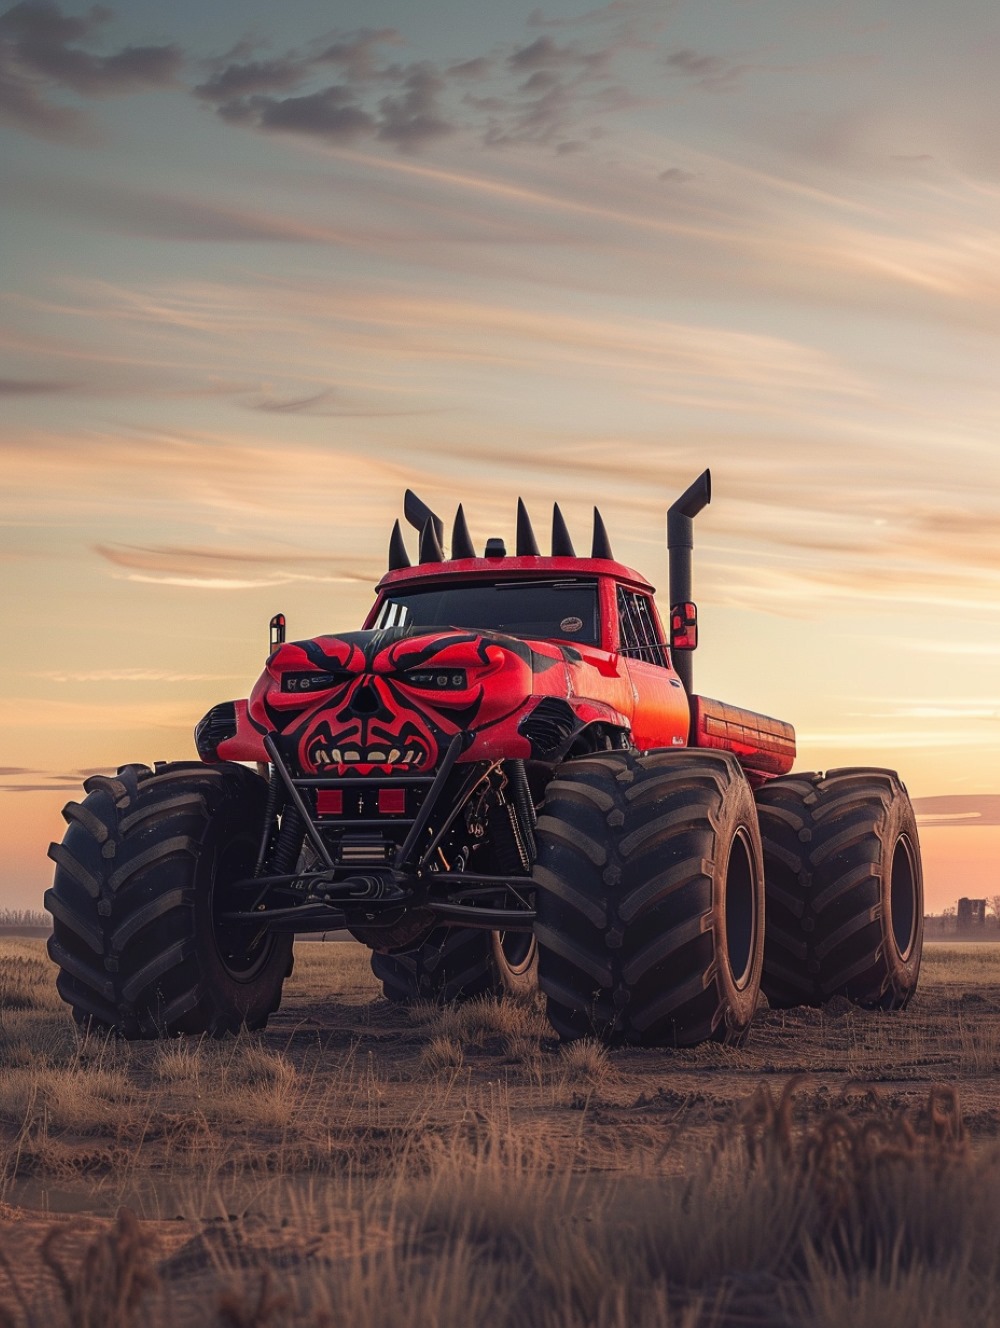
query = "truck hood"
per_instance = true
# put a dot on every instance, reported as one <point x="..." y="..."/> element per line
<point x="374" y="702"/>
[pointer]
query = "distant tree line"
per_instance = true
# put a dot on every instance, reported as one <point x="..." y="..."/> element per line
<point x="24" y="917"/>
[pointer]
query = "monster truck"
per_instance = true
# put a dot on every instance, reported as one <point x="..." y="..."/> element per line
<point x="504" y="777"/>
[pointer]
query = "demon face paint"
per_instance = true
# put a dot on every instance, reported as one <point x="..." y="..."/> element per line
<point x="382" y="701"/>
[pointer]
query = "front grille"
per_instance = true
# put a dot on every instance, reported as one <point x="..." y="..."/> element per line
<point x="549" y="727"/>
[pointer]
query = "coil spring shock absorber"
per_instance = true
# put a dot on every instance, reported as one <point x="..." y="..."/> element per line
<point x="522" y="812"/>
<point x="275" y="792"/>
<point x="288" y="844"/>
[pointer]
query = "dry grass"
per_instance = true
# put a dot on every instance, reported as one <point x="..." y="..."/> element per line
<point x="364" y="1164"/>
<point x="441" y="1053"/>
<point x="875" y="1221"/>
<point x="585" y="1062"/>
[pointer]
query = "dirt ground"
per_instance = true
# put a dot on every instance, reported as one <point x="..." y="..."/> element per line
<point x="266" y="1142"/>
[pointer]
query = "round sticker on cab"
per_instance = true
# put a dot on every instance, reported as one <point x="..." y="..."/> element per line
<point x="571" y="625"/>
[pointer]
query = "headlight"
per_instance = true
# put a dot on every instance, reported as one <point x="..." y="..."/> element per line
<point x="310" y="682"/>
<point x="435" y="680"/>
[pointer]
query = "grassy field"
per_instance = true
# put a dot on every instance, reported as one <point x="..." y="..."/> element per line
<point x="366" y="1165"/>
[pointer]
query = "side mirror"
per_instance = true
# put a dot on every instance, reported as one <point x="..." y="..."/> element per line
<point x="277" y="632"/>
<point x="684" y="627"/>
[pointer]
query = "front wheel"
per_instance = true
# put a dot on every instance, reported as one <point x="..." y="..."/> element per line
<point x="144" y="879"/>
<point x="650" y="899"/>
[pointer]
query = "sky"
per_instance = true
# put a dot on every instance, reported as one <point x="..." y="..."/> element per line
<point x="262" y="267"/>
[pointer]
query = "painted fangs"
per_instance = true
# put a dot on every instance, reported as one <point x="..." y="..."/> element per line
<point x="373" y="756"/>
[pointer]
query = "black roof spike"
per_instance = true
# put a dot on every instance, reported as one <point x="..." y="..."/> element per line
<point x="418" y="514"/>
<point x="562" y="545"/>
<point x="461" y="540"/>
<point x="602" y="545"/>
<point x="398" y="557"/>
<point x="527" y="545"/>
<point x="430" y="545"/>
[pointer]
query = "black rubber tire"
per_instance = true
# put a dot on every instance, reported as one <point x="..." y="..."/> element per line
<point x="138" y="876"/>
<point x="845" y="905"/>
<point x="452" y="964"/>
<point x="515" y="960"/>
<point x="458" y="964"/>
<point x="650" y="898"/>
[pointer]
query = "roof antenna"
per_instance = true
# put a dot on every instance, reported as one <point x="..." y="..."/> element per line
<point x="461" y="540"/>
<point x="418" y="514"/>
<point x="430" y="543"/>
<point x="398" y="557"/>
<point x="562" y="545"/>
<point x="602" y="545"/>
<point x="527" y="545"/>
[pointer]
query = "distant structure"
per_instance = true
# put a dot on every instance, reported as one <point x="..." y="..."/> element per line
<point x="971" y="914"/>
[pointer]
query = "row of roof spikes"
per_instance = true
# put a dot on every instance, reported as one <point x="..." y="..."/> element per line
<point x="431" y="528"/>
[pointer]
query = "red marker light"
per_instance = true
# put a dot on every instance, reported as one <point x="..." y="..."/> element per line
<point x="391" y="801"/>
<point x="329" y="802"/>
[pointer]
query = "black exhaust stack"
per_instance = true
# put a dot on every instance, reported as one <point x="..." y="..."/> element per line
<point x="418" y="514"/>
<point x="680" y="543"/>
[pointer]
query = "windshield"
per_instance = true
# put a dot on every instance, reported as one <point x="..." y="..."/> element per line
<point x="539" y="609"/>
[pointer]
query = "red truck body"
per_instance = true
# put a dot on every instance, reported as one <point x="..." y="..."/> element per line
<point x="359" y="703"/>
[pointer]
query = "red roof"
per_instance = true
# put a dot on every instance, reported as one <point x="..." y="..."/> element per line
<point x="495" y="569"/>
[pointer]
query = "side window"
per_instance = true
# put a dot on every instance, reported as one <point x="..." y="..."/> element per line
<point x="637" y="628"/>
<point x="392" y="614"/>
<point x="656" y="651"/>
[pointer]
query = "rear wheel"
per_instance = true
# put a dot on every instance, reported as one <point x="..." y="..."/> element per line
<point x="452" y="964"/>
<point x="845" y="904"/>
<point x="143" y="881"/>
<point x="515" y="960"/>
<point x="650" y="898"/>
<point x="459" y="963"/>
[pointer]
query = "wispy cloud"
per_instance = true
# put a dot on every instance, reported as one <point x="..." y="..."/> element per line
<point x="960" y="809"/>
<point x="540" y="93"/>
<point x="153" y="214"/>
<point x="396" y="103"/>
<point x="129" y="675"/>
<point x="967" y="708"/>
<point x="220" y="569"/>
<point x="34" y="387"/>
<point x="41" y="54"/>
<point x="57" y="715"/>
<point x="714" y="72"/>
<point x="949" y="648"/>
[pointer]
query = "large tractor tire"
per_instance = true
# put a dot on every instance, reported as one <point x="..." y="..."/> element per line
<point x="515" y="962"/>
<point x="845" y="902"/>
<point x="142" y="879"/>
<point x="650" y="898"/>
<point x="457" y="964"/>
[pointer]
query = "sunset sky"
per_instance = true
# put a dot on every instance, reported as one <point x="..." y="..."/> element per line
<point x="262" y="267"/>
